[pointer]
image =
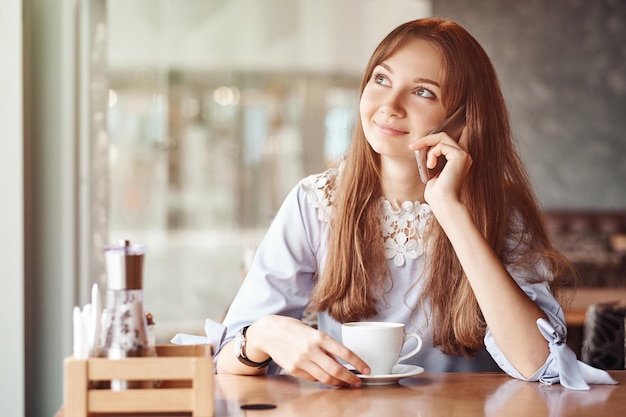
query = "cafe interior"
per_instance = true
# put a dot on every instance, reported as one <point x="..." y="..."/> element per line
<point x="182" y="125"/>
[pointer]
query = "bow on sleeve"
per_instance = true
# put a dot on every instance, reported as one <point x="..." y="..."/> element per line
<point x="569" y="371"/>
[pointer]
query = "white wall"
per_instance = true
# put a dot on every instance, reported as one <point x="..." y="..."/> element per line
<point x="11" y="211"/>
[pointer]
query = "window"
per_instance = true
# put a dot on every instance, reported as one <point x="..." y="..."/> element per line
<point x="216" y="110"/>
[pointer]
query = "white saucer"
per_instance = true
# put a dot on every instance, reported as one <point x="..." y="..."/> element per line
<point x="398" y="372"/>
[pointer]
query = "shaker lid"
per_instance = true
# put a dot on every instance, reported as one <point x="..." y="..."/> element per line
<point x="124" y="266"/>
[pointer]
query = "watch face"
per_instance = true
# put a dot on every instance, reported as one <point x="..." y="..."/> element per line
<point x="239" y="342"/>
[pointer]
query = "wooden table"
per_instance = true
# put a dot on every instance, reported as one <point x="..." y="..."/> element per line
<point x="428" y="394"/>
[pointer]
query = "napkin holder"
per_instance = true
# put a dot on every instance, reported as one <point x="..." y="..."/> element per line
<point x="185" y="374"/>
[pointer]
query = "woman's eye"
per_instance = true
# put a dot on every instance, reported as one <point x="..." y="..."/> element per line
<point x="425" y="92"/>
<point x="381" y="79"/>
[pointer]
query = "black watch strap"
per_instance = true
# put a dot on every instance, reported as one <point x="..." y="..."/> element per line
<point x="241" y="351"/>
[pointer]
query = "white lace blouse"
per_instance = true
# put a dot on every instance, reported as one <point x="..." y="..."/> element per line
<point x="293" y="252"/>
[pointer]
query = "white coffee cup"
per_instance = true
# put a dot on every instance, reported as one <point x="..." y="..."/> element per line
<point x="379" y="344"/>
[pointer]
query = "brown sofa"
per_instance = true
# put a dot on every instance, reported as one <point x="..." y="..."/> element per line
<point x="595" y="242"/>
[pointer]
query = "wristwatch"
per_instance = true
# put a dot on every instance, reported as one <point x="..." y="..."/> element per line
<point x="240" y="350"/>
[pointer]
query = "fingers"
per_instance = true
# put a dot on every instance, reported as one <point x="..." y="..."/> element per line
<point x="350" y="358"/>
<point x="443" y="145"/>
<point x="441" y="149"/>
<point x="432" y="140"/>
<point x="325" y="367"/>
<point x="326" y="370"/>
<point x="310" y="354"/>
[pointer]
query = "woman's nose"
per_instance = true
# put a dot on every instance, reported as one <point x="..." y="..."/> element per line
<point x="392" y="105"/>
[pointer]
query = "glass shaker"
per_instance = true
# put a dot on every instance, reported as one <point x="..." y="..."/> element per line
<point x="125" y="322"/>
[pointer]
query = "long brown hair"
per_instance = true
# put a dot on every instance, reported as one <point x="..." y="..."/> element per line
<point x="496" y="191"/>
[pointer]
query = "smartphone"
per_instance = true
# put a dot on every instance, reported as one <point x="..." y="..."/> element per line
<point x="452" y="126"/>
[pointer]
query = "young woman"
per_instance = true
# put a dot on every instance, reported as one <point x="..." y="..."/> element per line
<point x="465" y="259"/>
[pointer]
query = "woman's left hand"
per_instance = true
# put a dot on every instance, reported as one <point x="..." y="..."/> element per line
<point x="447" y="185"/>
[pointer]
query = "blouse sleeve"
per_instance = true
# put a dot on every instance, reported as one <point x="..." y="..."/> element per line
<point x="561" y="364"/>
<point x="541" y="294"/>
<point x="280" y="278"/>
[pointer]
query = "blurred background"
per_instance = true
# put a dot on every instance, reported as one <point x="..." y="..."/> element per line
<point x="216" y="109"/>
<point x="182" y="125"/>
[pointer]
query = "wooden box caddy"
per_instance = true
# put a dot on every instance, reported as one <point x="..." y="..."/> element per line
<point x="185" y="374"/>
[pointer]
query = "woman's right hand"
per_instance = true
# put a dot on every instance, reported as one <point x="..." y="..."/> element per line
<point x="302" y="351"/>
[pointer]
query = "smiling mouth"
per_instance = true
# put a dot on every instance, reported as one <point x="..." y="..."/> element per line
<point x="389" y="130"/>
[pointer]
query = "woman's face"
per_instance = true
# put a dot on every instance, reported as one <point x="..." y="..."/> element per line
<point x="402" y="99"/>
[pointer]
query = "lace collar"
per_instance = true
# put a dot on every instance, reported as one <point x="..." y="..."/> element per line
<point x="402" y="226"/>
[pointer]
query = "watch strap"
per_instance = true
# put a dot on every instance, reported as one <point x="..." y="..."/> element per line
<point x="241" y="355"/>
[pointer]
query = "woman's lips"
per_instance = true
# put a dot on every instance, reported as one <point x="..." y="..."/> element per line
<point x="389" y="129"/>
